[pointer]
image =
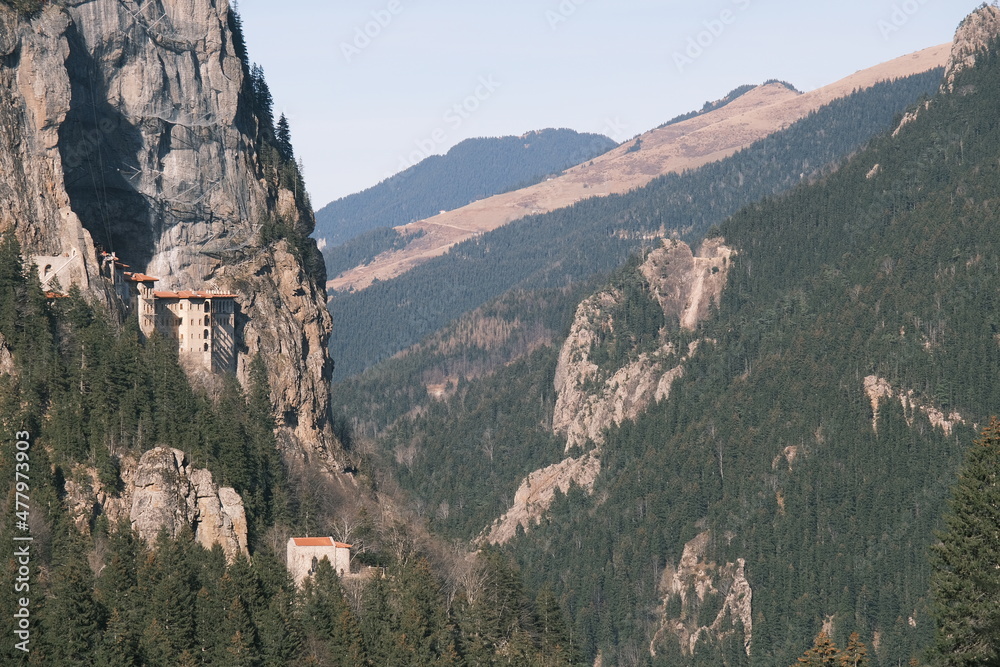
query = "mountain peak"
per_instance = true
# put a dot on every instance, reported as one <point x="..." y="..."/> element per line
<point x="974" y="34"/>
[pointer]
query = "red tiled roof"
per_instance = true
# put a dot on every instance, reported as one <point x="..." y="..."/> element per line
<point x="56" y="295"/>
<point x="139" y="277"/>
<point x="319" y="542"/>
<point x="188" y="294"/>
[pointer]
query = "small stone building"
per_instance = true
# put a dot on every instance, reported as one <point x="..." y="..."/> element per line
<point x="305" y="554"/>
<point x="58" y="272"/>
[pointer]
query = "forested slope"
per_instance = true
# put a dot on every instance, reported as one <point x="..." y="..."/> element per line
<point x="597" y="235"/>
<point x="814" y="435"/>
<point x="471" y="170"/>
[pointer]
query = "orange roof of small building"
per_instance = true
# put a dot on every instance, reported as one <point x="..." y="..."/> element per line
<point x="319" y="542"/>
<point x="188" y="294"/>
<point x="56" y="295"/>
<point x="140" y="277"/>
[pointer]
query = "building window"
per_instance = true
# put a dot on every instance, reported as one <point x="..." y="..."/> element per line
<point x="206" y="334"/>
<point x="206" y="320"/>
<point x="206" y="347"/>
<point x="207" y="307"/>
<point x="182" y="336"/>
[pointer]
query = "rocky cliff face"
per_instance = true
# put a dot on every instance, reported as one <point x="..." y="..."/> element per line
<point x="536" y="493"/>
<point x="163" y="491"/>
<point x="168" y="493"/>
<point x="976" y="31"/>
<point x="590" y="398"/>
<point x="702" y="598"/>
<point x="129" y="124"/>
<point x="879" y="390"/>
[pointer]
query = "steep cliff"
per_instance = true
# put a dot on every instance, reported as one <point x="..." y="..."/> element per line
<point x="973" y="36"/>
<point x="592" y="396"/>
<point x="132" y="125"/>
<point x="163" y="491"/>
<point x="703" y="599"/>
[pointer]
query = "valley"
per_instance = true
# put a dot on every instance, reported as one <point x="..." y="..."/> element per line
<point x="721" y="394"/>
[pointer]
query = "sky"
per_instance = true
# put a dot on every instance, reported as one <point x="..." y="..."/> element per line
<point x="371" y="87"/>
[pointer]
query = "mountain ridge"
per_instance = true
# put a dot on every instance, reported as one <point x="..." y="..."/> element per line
<point x="470" y="170"/>
<point x="597" y="235"/>
<point x="673" y="148"/>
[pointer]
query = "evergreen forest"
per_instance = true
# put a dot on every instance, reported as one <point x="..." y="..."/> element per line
<point x="818" y="484"/>
<point x="769" y="450"/>
<point x="597" y="235"/>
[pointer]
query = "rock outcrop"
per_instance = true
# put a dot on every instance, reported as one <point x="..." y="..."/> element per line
<point x="7" y="365"/>
<point x="688" y="285"/>
<point x="535" y="495"/>
<point x="974" y="34"/>
<point x="700" y="589"/>
<point x="590" y="399"/>
<point x="169" y="494"/>
<point x="879" y="390"/>
<point x="131" y="124"/>
<point x="162" y="491"/>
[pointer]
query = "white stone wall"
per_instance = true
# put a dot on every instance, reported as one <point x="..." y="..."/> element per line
<point x="301" y="563"/>
<point x="203" y="327"/>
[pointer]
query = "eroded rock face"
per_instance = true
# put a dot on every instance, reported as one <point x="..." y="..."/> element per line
<point x="879" y="390"/>
<point x="973" y="35"/>
<point x="168" y="493"/>
<point x="685" y="284"/>
<point x="699" y="588"/>
<point x="7" y="366"/>
<point x="536" y="493"/>
<point x="590" y="400"/>
<point x="129" y="124"/>
<point x="34" y="102"/>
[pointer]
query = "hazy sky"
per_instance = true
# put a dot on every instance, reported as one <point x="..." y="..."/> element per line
<point x="370" y="86"/>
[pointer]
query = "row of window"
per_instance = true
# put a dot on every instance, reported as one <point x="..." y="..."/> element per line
<point x="206" y="336"/>
<point x="225" y="306"/>
<point x="167" y="320"/>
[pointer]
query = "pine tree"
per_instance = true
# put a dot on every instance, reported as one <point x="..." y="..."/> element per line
<point x="280" y="632"/>
<point x="377" y="624"/>
<point x="263" y="101"/>
<point x="856" y="653"/>
<point x="167" y="586"/>
<point x="966" y="579"/>
<point x="824" y="653"/>
<point x="283" y="135"/>
<point x="117" y="591"/>
<point x="426" y="635"/>
<point x="70" y="619"/>
<point x="556" y="642"/>
<point x="328" y="620"/>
